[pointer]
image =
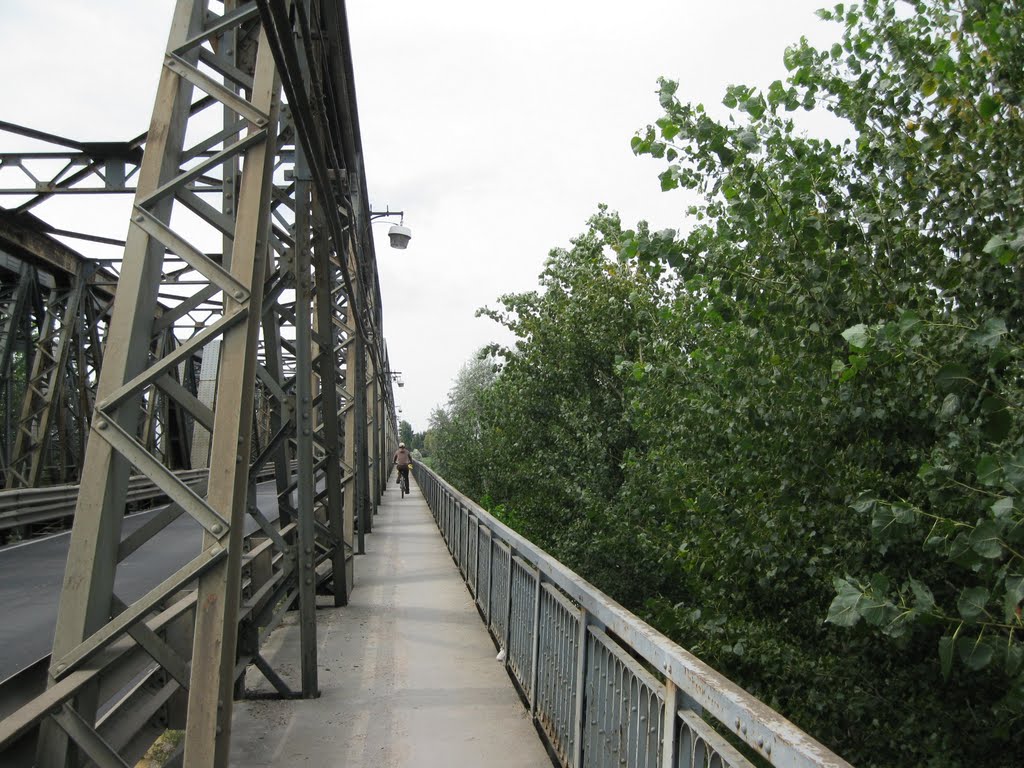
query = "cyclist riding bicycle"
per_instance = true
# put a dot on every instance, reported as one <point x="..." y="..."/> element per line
<point x="403" y="460"/>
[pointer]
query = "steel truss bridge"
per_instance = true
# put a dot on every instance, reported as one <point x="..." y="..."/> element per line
<point x="228" y="370"/>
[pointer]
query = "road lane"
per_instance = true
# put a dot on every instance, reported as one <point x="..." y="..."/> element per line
<point x="31" y="573"/>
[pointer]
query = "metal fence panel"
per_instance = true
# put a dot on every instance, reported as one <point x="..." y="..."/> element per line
<point x="556" y="673"/>
<point x="623" y="710"/>
<point x="698" y="746"/>
<point x="483" y="571"/>
<point x="521" y="624"/>
<point x="471" y="545"/>
<point x="501" y="563"/>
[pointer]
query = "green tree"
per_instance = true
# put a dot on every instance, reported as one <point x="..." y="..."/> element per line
<point x="891" y="261"/>
<point x="456" y="437"/>
<point x="791" y="437"/>
<point x="556" y="416"/>
<point x="405" y="433"/>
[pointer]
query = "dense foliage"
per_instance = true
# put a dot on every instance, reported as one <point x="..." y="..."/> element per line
<point x="791" y="438"/>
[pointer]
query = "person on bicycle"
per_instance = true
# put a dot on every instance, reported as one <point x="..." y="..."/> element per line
<point x="402" y="460"/>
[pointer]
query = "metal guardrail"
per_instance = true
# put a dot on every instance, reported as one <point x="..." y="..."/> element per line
<point x="26" y="506"/>
<point x="604" y="687"/>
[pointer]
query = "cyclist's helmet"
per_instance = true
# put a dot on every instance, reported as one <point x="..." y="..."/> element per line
<point x="401" y="445"/>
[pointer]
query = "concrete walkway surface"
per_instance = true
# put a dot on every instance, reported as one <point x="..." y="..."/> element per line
<point x="407" y="670"/>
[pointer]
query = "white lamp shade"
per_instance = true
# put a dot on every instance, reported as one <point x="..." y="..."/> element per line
<point x="400" y="236"/>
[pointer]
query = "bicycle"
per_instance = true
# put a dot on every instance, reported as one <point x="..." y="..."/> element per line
<point x="403" y="480"/>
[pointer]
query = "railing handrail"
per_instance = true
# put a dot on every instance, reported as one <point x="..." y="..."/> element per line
<point x="773" y="736"/>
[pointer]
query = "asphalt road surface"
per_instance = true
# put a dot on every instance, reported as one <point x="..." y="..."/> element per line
<point x="31" y="574"/>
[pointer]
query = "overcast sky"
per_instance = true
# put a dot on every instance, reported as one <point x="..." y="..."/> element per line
<point x="498" y="129"/>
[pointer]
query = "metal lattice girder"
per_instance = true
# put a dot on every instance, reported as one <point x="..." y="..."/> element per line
<point x="54" y="307"/>
<point x="45" y="385"/>
<point x="15" y="332"/>
<point x="12" y="314"/>
<point x="81" y="167"/>
<point x="287" y="316"/>
<point x="131" y="368"/>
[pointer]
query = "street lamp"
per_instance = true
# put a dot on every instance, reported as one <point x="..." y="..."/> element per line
<point x="399" y="234"/>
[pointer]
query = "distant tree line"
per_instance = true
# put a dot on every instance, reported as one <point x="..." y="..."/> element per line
<point x="790" y="437"/>
<point x="414" y="441"/>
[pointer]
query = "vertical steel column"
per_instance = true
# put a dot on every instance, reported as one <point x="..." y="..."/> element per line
<point x="381" y="475"/>
<point x="306" y="490"/>
<point x="208" y="735"/>
<point x="368" y="441"/>
<point x="362" y="454"/>
<point x="374" y="438"/>
<point x="353" y="353"/>
<point x="329" y="407"/>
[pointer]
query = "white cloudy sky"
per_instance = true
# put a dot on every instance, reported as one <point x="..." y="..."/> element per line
<point x="497" y="128"/>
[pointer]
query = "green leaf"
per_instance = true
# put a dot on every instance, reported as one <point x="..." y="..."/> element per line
<point x="987" y="106"/>
<point x="877" y="610"/>
<point x="1013" y="597"/>
<point x="843" y="610"/>
<point x="924" y="600"/>
<point x="994" y="244"/>
<point x="1013" y="470"/>
<point x="946" y="655"/>
<point x="882" y="521"/>
<point x="909" y="321"/>
<point x="864" y="504"/>
<point x="905" y="514"/>
<point x="1014" y="658"/>
<point x="747" y="139"/>
<point x="972" y="602"/>
<point x="952" y="375"/>
<point x="669" y="129"/>
<point x="1002" y="508"/>
<point x="998" y="421"/>
<point x="975" y="654"/>
<point x="989" y="334"/>
<point x="985" y="539"/>
<point x="857" y="336"/>
<point x="950" y="407"/>
<point x="988" y="470"/>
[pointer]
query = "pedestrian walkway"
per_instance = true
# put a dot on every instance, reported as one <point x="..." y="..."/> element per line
<point x="407" y="669"/>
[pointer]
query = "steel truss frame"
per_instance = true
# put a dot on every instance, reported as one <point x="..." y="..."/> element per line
<point x="288" y="316"/>
<point x="54" y="306"/>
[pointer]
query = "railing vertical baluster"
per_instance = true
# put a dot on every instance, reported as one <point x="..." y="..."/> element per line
<point x="448" y="503"/>
<point x="669" y="745"/>
<point x="458" y="536"/>
<point x="536" y="646"/>
<point x="579" y="705"/>
<point x="465" y="544"/>
<point x="463" y="552"/>
<point x="508" y="607"/>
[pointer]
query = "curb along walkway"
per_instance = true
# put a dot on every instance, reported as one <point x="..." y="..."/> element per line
<point x="407" y="669"/>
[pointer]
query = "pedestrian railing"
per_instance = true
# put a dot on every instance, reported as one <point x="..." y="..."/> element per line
<point x="605" y="688"/>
